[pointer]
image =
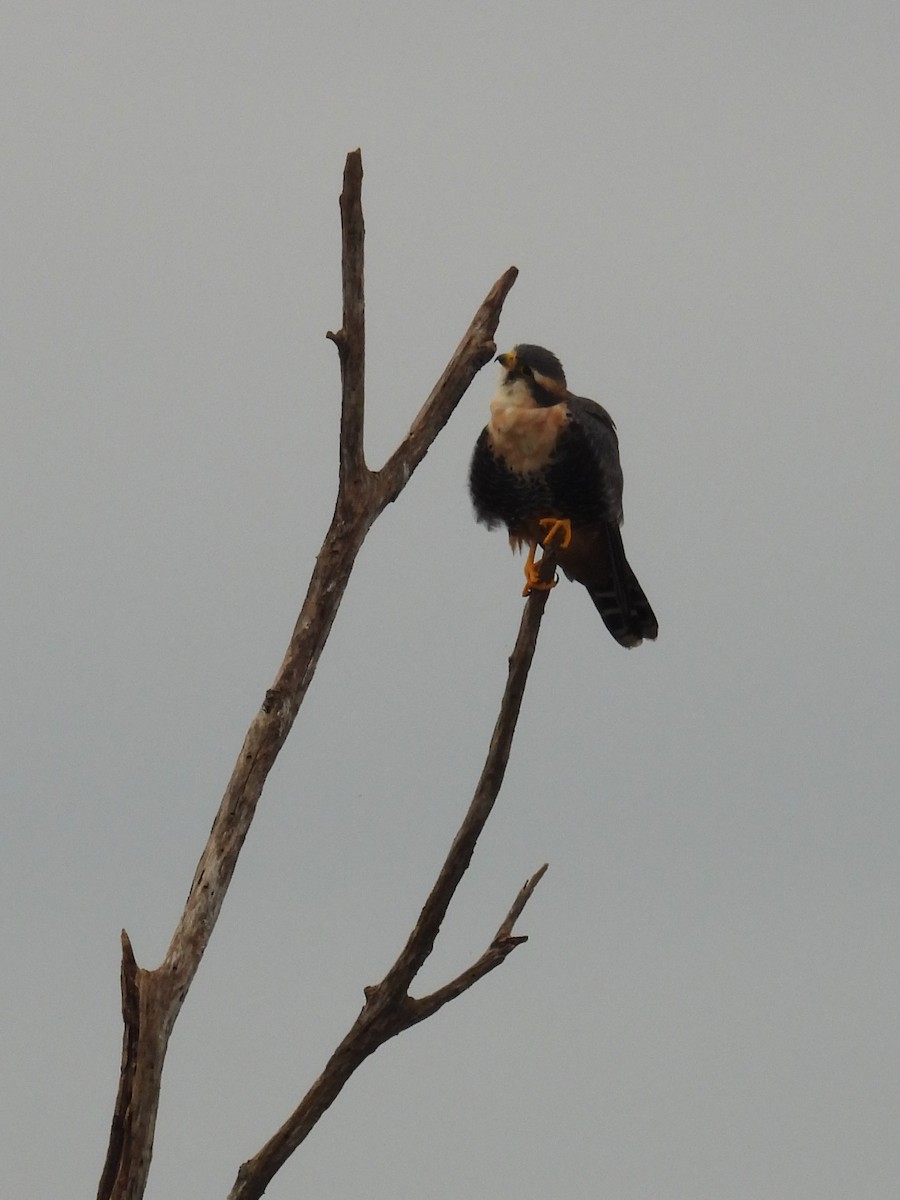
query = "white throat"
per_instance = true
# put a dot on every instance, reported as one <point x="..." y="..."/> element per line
<point x="511" y="393"/>
<point x="520" y="431"/>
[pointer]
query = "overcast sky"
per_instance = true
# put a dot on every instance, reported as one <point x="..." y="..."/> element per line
<point x="702" y="199"/>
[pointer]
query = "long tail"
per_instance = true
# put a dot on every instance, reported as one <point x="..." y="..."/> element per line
<point x="620" y="599"/>
<point x="597" y="560"/>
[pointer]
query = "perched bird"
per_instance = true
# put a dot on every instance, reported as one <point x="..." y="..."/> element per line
<point x="547" y="467"/>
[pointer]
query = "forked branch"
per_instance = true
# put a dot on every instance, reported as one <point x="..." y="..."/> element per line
<point x="152" y="999"/>
<point x="389" y="1009"/>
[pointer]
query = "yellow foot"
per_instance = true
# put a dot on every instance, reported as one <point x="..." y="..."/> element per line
<point x="534" y="583"/>
<point x="533" y="580"/>
<point x="555" y="525"/>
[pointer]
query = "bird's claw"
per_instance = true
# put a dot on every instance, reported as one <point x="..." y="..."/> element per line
<point x="534" y="580"/>
<point x="539" y="585"/>
<point x="554" y="525"/>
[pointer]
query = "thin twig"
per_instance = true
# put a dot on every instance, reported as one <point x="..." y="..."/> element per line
<point x="506" y="928"/>
<point x="503" y="945"/>
<point x="421" y="940"/>
<point x="473" y="352"/>
<point x="351" y="337"/>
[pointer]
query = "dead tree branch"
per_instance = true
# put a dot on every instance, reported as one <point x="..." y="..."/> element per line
<point x="152" y="999"/>
<point x="351" y="337"/>
<point x="389" y="1009"/>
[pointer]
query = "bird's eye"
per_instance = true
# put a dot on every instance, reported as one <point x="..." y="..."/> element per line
<point x="527" y="372"/>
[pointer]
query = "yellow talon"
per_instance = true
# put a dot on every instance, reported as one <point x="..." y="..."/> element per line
<point x="539" y="585"/>
<point x="553" y="525"/>
<point x="533" y="581"/>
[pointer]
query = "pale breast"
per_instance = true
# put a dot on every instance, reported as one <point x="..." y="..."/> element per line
<point x="521" y="433"/>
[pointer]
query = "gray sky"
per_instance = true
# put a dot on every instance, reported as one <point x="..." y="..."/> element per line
<point x="702" y="200"/>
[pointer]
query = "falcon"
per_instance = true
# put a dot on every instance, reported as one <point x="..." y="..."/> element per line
<point x="547" y="467"/>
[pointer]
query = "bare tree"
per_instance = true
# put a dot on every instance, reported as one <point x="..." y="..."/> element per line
<point x="152" y="999"/>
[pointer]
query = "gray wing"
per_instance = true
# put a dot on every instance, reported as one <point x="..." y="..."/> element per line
<point x="596" y="557"/>
<point x="600" y="431"/>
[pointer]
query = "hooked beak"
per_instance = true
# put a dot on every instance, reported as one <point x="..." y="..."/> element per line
<point x="507" y="360"/>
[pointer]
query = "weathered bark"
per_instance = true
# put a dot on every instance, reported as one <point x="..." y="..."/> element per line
<point x="152" y="999"/>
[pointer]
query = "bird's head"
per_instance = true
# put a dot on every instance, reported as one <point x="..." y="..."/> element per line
<point x="539" y="370"/>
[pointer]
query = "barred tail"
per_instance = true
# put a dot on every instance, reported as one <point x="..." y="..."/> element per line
<point x="619" y="598"/>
